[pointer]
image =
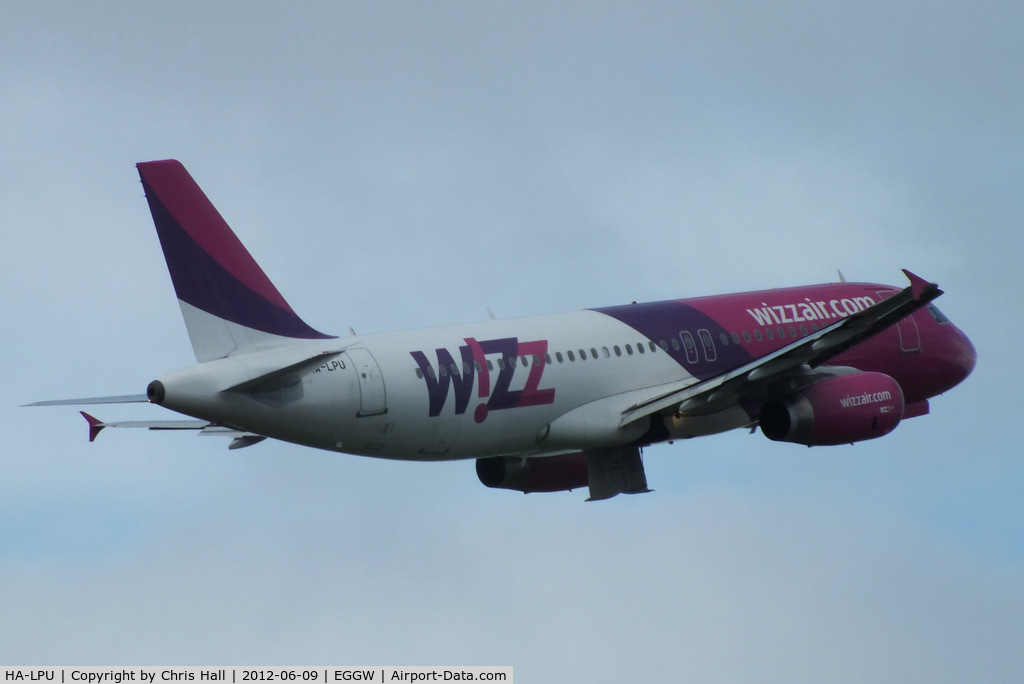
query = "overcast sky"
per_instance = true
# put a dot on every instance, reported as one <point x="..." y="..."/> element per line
<point x="396" y="165"/>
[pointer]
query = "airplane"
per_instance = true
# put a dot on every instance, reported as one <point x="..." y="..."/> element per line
<point x="543" y="404"/>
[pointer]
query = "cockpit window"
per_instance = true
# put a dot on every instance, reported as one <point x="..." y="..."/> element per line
<point x="939" y="317"/>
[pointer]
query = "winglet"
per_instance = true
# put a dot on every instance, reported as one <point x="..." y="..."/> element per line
<point x="95" y="425"/>
<point x="919" y="286"/>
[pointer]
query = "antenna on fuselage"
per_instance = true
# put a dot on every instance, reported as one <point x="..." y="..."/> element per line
<point x="842" y="278"/>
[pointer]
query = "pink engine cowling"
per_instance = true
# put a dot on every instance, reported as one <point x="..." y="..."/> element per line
<point x="544" y="474"/>
<point x="839" y="410"/>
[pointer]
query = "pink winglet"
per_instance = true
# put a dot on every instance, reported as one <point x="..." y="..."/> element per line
<point x="918" y="285"/>
<point x="95" y="425"/>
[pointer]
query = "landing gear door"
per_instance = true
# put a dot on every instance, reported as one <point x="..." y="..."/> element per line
<point x="372" y="395"/>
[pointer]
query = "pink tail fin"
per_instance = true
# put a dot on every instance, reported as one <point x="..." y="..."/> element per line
<point x="228" y="302"/>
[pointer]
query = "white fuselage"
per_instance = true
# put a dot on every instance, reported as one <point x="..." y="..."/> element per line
<point x="481" y="389"/>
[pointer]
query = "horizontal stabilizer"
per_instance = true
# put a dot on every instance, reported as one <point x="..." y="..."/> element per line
<point x="281" y="377"/>
<point x="122" y="399"/>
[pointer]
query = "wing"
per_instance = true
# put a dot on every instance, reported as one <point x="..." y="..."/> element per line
<point x="755" y="379"/>
<point x="241" y="438"/>
<point x="752" y="379"/>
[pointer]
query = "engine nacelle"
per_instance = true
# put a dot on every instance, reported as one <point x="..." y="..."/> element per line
<point x="538" y="474"/>
<point x="839" y="410"/>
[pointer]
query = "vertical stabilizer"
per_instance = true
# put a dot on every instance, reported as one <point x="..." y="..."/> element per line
<point x="228" y="302"/>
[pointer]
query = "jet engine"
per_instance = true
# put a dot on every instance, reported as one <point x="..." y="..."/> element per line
<point x="840" y="410"/>
<point x="539" y="474"/>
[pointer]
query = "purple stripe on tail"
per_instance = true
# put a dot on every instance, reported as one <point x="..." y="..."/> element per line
<point x="210" y="268"/>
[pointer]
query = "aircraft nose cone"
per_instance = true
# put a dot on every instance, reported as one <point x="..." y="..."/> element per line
<point x="948" y="359"/>
<point x="968" y="356"/>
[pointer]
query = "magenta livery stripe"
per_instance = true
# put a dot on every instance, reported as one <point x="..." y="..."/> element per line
<point x="170" y="184"/>
<point x="662" y="322"/>
<point x="210" y="268"/>
<point x="713" y="335"/>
